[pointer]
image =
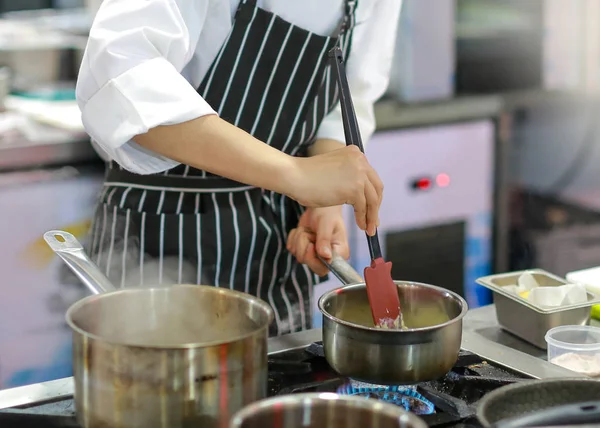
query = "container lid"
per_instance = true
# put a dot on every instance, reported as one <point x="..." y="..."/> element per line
<point x="574" y="337"/>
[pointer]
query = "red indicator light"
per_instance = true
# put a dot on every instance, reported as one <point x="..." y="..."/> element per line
<point x="423" y="184"/>
<point x="443" y="180"/>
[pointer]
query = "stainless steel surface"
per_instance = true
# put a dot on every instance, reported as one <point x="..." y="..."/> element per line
<point x="342" y="270"/>
<point x="172" y="356"/>
<point x="523" y="397"/>
<point x="319" y="410"/>
<point x="70" y="250"/>
<point x="530" y="321"/>
<point x="426" y="350"/>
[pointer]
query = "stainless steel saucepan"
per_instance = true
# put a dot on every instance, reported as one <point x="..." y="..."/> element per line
<point x="324" y="410"/>
<point x="426" y="350"/>
<point x="178" y="356"/>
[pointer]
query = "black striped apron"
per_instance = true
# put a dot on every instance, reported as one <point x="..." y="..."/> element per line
<point x="272" y="79"/>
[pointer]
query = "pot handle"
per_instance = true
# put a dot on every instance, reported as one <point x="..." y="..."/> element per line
<point x="68" y="248"/>
<point x="342" y="270"/>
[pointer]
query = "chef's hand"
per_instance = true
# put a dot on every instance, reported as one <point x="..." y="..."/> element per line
<point x="319" y="230"/>
<point x="341" y="176"/>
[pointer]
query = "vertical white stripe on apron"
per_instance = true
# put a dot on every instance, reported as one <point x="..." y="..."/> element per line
<point x="180" y="203"/>
<point x="125" y="249"/>
<point x="142" y="246"/>
<point x="180" y="267"/>
<point x="287" y="90"/>
<point x="277" y="278"/>
<point x="326" y="103"/>
<point x="161" y="247"/>
<point x="142" y="200"/>
<point x="101" y="246"/>
<point x="110" y="195"/>
<point x="161" y="201"/>
<point x="236" y="233"/>
<point x="252" y="242"/>
<point x="262" y="269"/>
<point x="237" y="61"/>
<point x="253" y="71"/>
<point x="270" y="81"/>
<point x="113" y="229"/>
<point x="311" y="284"/>
<point x="124" y="197"/>
<point x="303" y="314"/>
<point x="218" y="236"/>
<point x="96" y="227"/>
<point x="198" y="238"/>
<point x="306" y="92"/>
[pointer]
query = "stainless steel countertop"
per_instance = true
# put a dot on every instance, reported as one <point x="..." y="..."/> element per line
<point x="481" y="335"/>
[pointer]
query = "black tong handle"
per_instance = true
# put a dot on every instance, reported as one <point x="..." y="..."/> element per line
<point x="351" y="130"/>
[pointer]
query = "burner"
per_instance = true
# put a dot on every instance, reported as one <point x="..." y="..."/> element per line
<point x="404" y="396"/>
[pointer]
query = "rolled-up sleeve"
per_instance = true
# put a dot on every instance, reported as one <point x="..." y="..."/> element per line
<point x="368" y="68"/>
<point x="130" y="79"/>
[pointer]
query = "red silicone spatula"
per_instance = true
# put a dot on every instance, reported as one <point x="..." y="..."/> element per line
<point x="381" y="290"/>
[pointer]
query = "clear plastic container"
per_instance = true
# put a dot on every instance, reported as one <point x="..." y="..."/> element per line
<point x="576" y="348"/>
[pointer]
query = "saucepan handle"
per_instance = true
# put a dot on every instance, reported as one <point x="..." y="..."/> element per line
<point x="68" y="248"/>
<point x="342" y="270"/>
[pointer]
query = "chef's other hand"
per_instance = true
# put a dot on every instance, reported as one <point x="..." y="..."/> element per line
<point x="322" y="231"/>
<point x="339" y="177"/>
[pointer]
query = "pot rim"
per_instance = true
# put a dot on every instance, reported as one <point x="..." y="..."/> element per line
<point x="304" y="398"/>
<point x="86" y="300"/>
<point x="455" y="296"/>
<point x="490" y="397"/>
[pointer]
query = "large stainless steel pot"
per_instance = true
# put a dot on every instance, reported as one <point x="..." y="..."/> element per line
<point x="180" y="356"/>
<point x="355" y="348"/>
<point x="313" y="410"/>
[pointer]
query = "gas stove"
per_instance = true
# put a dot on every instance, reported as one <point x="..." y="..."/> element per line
<point x="447" y="402"/>
<point x="488" y="360"/>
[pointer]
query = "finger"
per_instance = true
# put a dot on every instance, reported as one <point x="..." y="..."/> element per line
<point x="313" y="262"/>
<point x="378" y="186"/>
<point x="342" y="249"/>
<point x="325" y="229"/>
<point x="291" y="240"/>
<point x="300" y="245"/>
<point x="360" y="209"/>
<point x="372" y="208"/>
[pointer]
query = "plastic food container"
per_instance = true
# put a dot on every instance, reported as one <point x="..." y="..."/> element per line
<point x="575" y="347"/>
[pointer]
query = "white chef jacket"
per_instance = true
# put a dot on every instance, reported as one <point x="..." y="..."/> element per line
<point x="145" y="58"/>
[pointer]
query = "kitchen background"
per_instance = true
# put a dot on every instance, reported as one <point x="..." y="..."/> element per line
<point x="487" y="144"/>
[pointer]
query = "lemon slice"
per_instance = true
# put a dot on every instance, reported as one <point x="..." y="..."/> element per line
<point x="524" y="294"/>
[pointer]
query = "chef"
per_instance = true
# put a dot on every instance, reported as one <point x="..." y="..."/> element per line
<point x="221" y="126"/>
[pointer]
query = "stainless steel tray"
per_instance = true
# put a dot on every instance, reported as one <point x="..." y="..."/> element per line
<point x="530" y="321"/>
<point x="497" y="282"/>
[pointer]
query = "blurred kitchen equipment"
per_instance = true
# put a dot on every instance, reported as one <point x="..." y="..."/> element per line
<point x="576" y="348"/>
<point x="319" y="410"/>
<point x="527" y="320"/>
<point x="591" y="279"/>
<point x="425" y="351"/>
<point x="506" y="406"/>
<point x="174" y="356"/>
<point x="382" y="292"/>
<point x="424" y="55"/>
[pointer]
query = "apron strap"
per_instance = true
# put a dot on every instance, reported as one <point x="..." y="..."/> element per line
<point x="349" y="18"/>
